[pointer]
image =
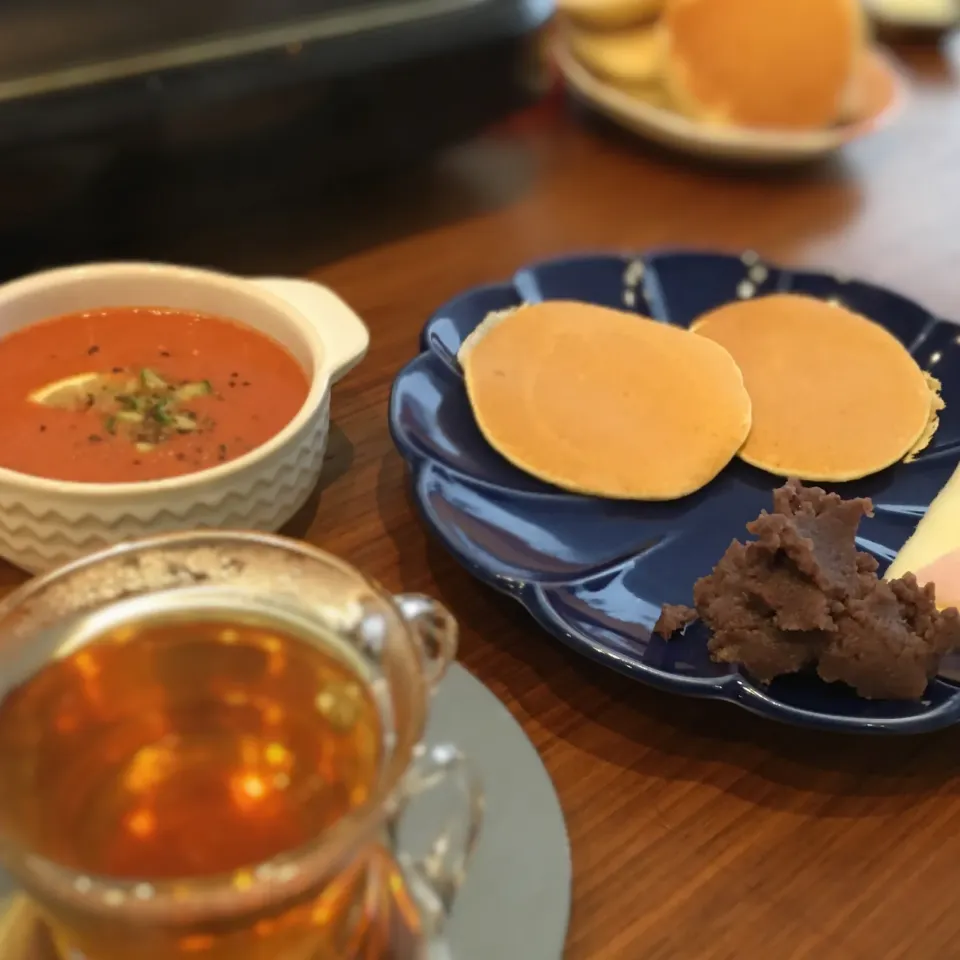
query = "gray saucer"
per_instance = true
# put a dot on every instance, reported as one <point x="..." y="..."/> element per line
<point x="515" y="903"/>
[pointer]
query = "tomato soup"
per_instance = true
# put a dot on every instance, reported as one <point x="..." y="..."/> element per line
<point x="121" y="394"/>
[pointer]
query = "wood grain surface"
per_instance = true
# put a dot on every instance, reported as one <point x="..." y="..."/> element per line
<point x="698" y="831"/>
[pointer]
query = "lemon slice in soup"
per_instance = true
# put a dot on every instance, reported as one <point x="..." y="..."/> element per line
<point x="70" y="391"/>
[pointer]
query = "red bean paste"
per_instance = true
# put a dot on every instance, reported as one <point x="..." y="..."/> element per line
<point x="801" y="595"/>
<point x="674" y="617"/>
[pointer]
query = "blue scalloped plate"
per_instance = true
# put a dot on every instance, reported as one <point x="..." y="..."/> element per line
<point x="594" y="572"/>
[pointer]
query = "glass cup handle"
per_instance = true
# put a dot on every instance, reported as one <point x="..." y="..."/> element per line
<point x="435" y="629"/>
<point x="435" y="878"/>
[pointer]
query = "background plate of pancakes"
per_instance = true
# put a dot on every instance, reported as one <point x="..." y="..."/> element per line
<point x="926" y="16"/>
<point x="672" y="79"/>
<point x="595" y="572"/>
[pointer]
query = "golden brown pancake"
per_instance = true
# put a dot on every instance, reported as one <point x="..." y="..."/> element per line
<point x="835" y="396"/>
<point x="626" y="57"/>
<point x="603" y="402"/>
<point x="783" y="64"/>
<point x="610" y="14"/>
<point x="853" y="104"/>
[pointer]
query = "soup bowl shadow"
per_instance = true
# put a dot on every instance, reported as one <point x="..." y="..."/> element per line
<point x="46" y="522"/>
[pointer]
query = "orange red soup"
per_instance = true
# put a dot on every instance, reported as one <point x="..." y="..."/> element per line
<point x="122" y="394"/>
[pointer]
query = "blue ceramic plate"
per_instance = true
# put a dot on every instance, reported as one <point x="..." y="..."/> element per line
<point x="595" y="572"/>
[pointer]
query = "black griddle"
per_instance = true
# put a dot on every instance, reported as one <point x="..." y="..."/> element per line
<point x="243" y="134"/>
<point x="70" y="68"/>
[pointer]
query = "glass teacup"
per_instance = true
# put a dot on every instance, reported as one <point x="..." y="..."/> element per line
<point x="207" y="746"/>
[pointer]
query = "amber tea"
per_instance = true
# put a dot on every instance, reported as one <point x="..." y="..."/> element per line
<point x="191" y="746"/>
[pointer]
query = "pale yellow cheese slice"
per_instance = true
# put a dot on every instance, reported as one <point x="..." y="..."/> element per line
<point x="932" y="554"/>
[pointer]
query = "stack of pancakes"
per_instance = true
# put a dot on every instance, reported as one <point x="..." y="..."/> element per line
<point x="773" y="64"/>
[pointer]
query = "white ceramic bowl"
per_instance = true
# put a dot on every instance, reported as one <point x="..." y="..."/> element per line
<point x="44" y="523"/>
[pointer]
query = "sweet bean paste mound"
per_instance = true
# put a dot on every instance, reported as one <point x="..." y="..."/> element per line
<point x="802" y="595"/>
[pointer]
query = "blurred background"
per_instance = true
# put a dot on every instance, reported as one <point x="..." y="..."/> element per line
<point x="245" y="134"/>
<point x="280" y="135"/>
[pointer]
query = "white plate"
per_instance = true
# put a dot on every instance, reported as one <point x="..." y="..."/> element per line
<point x="886" y="96"/>
<point x="934" y="15"/>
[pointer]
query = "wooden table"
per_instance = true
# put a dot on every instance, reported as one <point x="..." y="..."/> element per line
<point x="698" y="831"/>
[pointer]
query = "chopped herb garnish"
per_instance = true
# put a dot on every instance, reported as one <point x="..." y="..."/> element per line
<point x="152" y="380"/>
<point x="161" y="414"/>
<point x="142" y="408"/>
<point x="190" y="391"/>
<point x="184" y="423"/>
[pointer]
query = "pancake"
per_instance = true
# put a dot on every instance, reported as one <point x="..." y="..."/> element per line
<point x="629" y="57"/>
<point x="602" y="402"/>
<point x="853" y="105"/>
<point x="932" y="554"/>
<point x="652" y="94"/>
<point x="780" y="64"/>
<point x="835" y="396"/>
<point x="610" y="14"/>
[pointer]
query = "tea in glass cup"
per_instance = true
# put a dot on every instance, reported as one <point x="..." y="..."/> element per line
<point x="206" y="742"/>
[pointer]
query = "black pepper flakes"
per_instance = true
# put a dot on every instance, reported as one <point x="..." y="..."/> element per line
<point x="43" y="428"/>
<point x="164" y="353"/>
<point x="246" y="383"/>
<point x="92" y="350"/>
<point x="95" y="438"/>
<point x="118" y="370"/>
<point x="222" y="452"/>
